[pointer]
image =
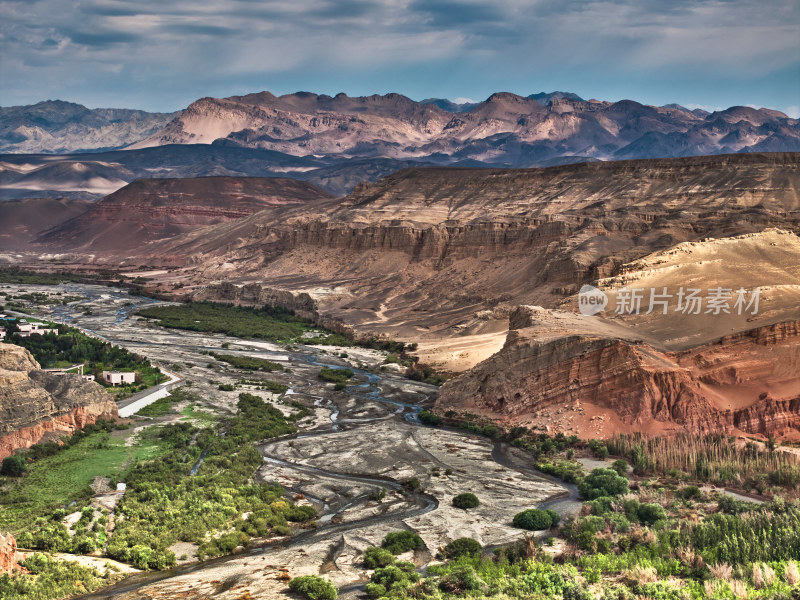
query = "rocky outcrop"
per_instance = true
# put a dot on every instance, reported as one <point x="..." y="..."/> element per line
<point x="554" y="361"/>
<point x="8" y="553"/>
<point x="34" y="403"/>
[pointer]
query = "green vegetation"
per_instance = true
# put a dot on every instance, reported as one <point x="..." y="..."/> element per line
<point x="248" y="363"/>
<point x="49" y="579"/>
<point x="280" y="325"/>
<point x="462" y="547"/>
<point x="717" y="459"/>
<point x="377" y="557"/>
<point x="398" y="542"/>
<point x="535" y="519"/>
<point x="466" y="501"/>
<point x="274" y="324"/>
<point x="72" y="346"/>
<point x="428" y="418"/>
<point x="165" y="503"/>
<point x="14" y="466"/>
<point x="395" y="578"/>
<point x="163" y="406"/>
<point x="602" y="482"/>
<point x="339" y="377"/>
<point x="60" y="474"/>
<point x="263" y="384"/>
<point x="14" y="275"/>
<point x="314" y="588"/>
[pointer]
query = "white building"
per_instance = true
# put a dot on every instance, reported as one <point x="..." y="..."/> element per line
<point x="2" y="333"/>
<point x="26" y="329"/>
<point x="88" y="377"/>
<point x="118" y="377"/>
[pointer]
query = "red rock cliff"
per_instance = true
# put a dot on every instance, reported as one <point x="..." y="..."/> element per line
<point x="573" y="383"/>
<point x="34" y="403"/>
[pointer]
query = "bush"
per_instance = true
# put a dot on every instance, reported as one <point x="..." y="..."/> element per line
<point x="603" y="482"/>
<point x="533" y="519"/>
<point x="428" y="418"/>
<point x="463" y="547"/>
<point x="313" y="587"/>
<point x="377" y="557"/>
<point x="375" y="590"/>
<point x="460" y="580"/>
<point x="14" y="466"/>
<point x="398" y="542"/>
<point x="466" y="501"/>
<point x="650" y="513"/>
<point x="620" y="466"/>
<point x="691" y="492"/>
<point x="555" y="518"/>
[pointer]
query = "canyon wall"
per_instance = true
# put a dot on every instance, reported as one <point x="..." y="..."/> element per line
<point x="570" y="373"/>
<point x="35" y="404"/>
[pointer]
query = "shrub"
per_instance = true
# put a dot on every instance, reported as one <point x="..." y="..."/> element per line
<point x="460" y="580"/>
<point x="466" y="501"/>
<point x="377" y="557"/>
<point x="313" y="587"/>
<point x="533" y="519"/>
<point x="691" y="492"/>
<point x="399" y="573"/>
<point x="555" y="518"/>
<point x="603" y="482"/>
<point x="429" y="418"/>
<point x="375" y="590"/>
<point x="620" y="466"/>
<point x="398" y="542"/>
<point x="463" y="547"/>
<point x="575" y="592"/>
<point x="14" y="466"/>
<point x="650" y="513"/>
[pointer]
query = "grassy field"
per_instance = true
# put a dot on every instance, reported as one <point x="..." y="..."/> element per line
<point x="191" y="412"/>
<point x="55" y="481"/>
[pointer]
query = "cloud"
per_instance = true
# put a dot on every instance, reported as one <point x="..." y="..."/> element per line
<point x="181" y="48"/>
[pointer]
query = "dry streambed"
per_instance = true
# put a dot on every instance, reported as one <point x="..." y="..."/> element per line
<point x="354" y="443"/>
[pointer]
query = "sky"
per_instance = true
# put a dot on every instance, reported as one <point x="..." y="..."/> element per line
<point x="161" y="55"/>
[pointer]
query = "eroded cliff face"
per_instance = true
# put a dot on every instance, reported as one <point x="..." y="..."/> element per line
<point x="8" y="552"/>
<point x="565" y="372"/>
<point x="34" y="403"/>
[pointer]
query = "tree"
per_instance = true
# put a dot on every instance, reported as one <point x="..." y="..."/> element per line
<point x="466" y="501"/>
<point x="602" y="482"/>
<point x="14" y="466"/>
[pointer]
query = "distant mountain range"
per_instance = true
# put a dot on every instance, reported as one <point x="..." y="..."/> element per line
<point x="338" y="141"/>
<point x="56" y="126"/>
